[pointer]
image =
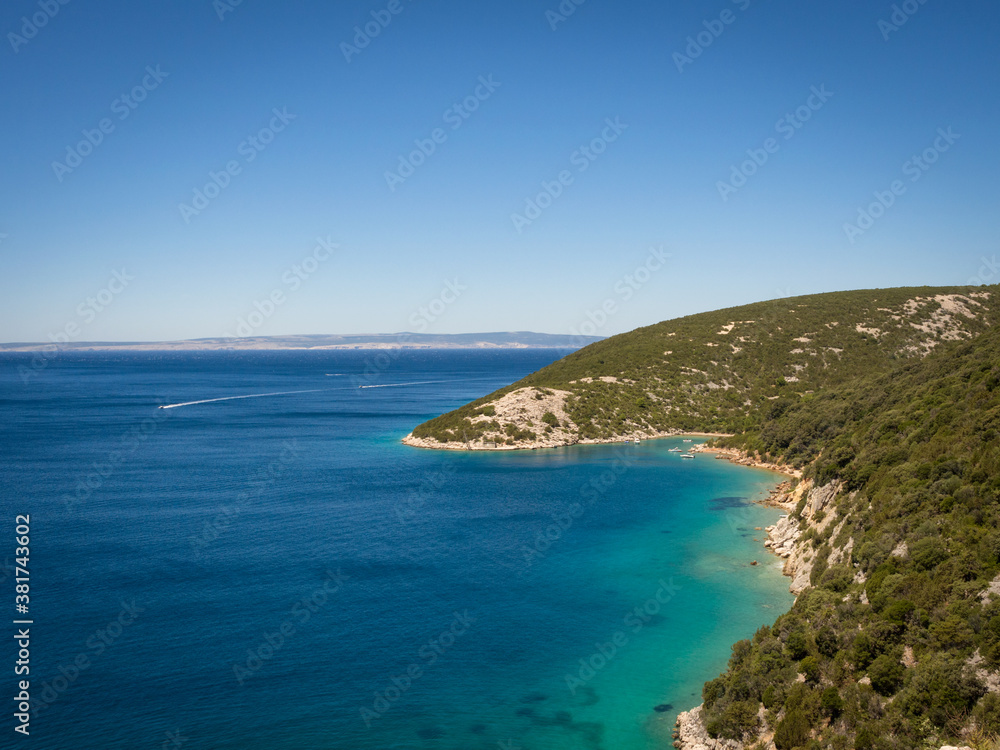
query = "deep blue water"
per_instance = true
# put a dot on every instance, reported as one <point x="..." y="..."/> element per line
<point x="262" y="573"/>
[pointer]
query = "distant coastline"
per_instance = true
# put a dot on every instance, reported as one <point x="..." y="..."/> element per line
<point x="320" y="342"/>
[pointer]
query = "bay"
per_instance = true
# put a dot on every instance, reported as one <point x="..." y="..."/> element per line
<point x="280" y="571"/>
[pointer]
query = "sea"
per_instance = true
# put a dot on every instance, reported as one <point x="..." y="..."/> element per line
<point x="264" y="564"/>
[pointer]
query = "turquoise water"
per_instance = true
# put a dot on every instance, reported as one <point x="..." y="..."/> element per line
<point x="281" y="563"/>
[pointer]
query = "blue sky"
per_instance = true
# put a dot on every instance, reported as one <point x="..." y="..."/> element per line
<point x="442" y="238"/>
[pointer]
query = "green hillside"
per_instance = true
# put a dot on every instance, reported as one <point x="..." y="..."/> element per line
<point x="897" y="645"/>
<point x="719" y="371"/>
<point x="889" y="401"/>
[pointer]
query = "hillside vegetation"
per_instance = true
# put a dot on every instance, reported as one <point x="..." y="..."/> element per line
<point x="720" y="371"/>
<point x="895" y="645"/>
<point x="888" y="402"/>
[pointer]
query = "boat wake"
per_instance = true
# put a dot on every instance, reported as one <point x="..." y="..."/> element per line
<point x="312" y="390"/>
<point x="233" y="398"/>
<point x="399" y="385"/>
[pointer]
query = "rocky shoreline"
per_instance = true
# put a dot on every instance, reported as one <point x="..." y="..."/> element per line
<point x="783" y="541"/>
<point x="556" y="442"/>
<point x="745" y="459"/>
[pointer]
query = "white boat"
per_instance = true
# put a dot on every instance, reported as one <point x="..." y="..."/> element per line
<point x="687" y="455"/>
<point x="686" y="440"/>
<point x="674" y="450"/>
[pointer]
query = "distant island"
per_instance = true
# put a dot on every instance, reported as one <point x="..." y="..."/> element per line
<point x="501" y="340"/>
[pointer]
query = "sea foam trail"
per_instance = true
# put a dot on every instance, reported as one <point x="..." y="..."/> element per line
<point x="313" y="390"/>
<point x="422" y="382"/>
<point x="398" y="385"/>
<point x="232" y="398"/>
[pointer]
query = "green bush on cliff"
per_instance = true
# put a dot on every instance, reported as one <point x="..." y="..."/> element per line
<point x="793" y="731"/>
<point x="886" y="674"/>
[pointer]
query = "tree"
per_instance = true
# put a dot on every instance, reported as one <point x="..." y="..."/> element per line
<point x="792" y="731"/>
<point x="810" y="668"/>
<point x="831" y="702"/>
<point x="797" y="645"/>
<point x="886" y="674"/>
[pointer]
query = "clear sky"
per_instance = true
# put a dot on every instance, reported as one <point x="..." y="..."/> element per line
<point x="316" y="122"/>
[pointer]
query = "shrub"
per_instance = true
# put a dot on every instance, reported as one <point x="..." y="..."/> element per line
<point x="810" y="668"/>
<point x="738" y="720"/>
<point x="831" y="702"/>
<point x="772" y="697"/>
<point x="827" y="642"/>
<point x="837" y="578"/>
<point x="928" y="553"/>
<point x="886" y="674"/>
<point x="741" y="651"/>
<point x="792" y="731"/>
<point x="797" y="645"/>
<point x="951" y="632"/>
<point x="712" y="691"/>
<point x="987" y="714"/>
<point x="898" y="611"/>
<point x="940" y="688"/>
<point x="866" y="738"/>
